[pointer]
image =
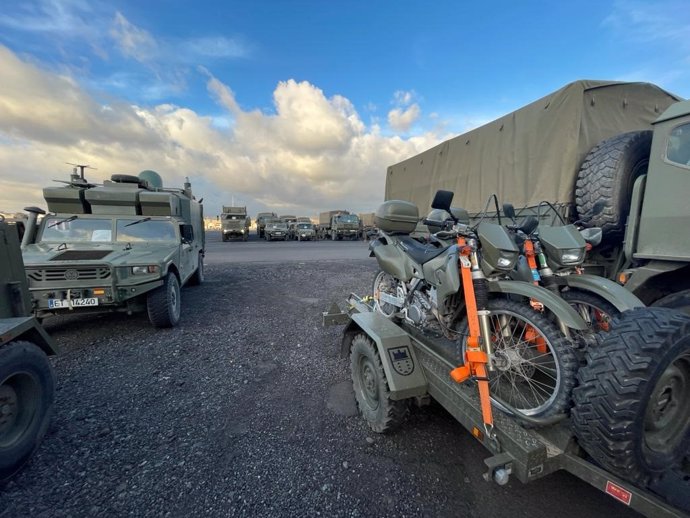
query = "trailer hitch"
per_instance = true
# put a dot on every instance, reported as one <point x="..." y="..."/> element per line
<point x="499" y="468"/>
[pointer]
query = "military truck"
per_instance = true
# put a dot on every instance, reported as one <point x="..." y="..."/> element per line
<point x="338" y="224"/>
<point x="235" y="223"/>
<point x="261" y="219"/>
<point x="27" y="382"/>
<point x="276" y="229"/>
<point x="302" y="231"/>
<point x="368" y="225"/>
<point x="127" y="245"/>
<point x="606" y="154"/>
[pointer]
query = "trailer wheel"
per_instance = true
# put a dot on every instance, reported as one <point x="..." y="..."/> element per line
<point x="631" y="411"/>
<point x="605" y="181"/>
<point x="596" y="311"/>
<point x="163" y="303"/>
<point x="371" y="387"/>
<point x="27" y="391"/>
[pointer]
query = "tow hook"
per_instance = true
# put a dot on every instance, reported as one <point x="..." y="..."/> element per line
<point x="499" y="468"/>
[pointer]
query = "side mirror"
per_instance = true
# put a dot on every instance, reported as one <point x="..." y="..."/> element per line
<point x="187" y="232"/>
<point x="442" y="200"/>
<point x="509" y="211"/>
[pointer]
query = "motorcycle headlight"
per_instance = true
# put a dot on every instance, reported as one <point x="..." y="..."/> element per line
<point x="504" y="262"/>
<point x="572" y="256"/>
<point x="142" y="270"/>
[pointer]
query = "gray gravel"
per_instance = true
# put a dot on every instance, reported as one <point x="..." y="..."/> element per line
<point x="246" y="409"/>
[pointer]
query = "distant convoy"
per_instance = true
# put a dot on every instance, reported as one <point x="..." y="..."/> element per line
<point x="335" y="225"/>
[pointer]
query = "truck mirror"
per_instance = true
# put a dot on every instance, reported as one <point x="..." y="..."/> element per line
<point x="187" y="232"/>
<point x="442" y="200"/>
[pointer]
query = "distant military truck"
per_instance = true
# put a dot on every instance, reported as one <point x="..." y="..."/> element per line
<point x="325" y="220"/>
<point x="342" y="225"/>
<point x="127" y="245"/>
<point x="287" y="219"/>
<point x="368" y="225"/>
<point x="27" y="382"/>
<point x="276" y="229"/>
<point x="235" y="223"/>
<point x="301" y="231"/>
<point x="261" y="219"/>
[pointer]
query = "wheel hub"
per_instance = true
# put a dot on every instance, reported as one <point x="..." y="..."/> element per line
<point x="667" y="413"/>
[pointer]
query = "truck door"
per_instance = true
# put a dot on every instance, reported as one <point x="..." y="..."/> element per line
<point x="188" y="254"/>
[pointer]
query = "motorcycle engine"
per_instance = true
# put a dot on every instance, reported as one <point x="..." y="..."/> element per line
<point x="419" y="310"/>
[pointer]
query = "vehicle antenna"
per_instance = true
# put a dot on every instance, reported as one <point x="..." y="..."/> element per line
<point x="81" y="167"/>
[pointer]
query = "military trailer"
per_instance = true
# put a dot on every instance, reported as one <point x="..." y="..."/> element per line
<point x="607" y="154"/>
<point x="261" y="219"/>
<point x="235" y="223"/>
<point x="127" y="245"/>
<point x="27" y="382"/>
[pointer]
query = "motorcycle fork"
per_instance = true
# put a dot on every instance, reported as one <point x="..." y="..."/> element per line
<point x="478" y="351"/>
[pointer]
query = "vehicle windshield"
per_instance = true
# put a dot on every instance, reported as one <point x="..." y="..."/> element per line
<point x="349" y="219"/>
<point x="279" y="226"/>
<point x="130" y="230"/>
<point x="234" y="216"/>
<point x="678" y="149"/>
<point x="304" y="226"/>
<point x="62" y="229"/>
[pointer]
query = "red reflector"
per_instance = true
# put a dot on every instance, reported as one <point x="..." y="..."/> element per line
<point x="617" y="492"/>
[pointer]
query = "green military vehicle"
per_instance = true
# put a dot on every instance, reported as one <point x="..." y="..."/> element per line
<point x="606" y="154"/>
<point x="27" y="385"/>
<point x="276" y="229"/>
<point x="127" y="245"/>
<point x="261" y="219"/>
<point x="235" y="223"/>
<point x="302" y="231"/>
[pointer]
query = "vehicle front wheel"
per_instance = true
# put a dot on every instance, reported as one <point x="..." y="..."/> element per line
<point x="371" y="387"/>
<point x="163" y="303"/>
<point x="27" y="391"/>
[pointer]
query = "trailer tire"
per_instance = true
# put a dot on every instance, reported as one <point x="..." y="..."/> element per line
<point x="605" y="181"/>
<point x="163" y="303"/>
<point x="371" y="387"/>
<point x="27" y="392"/>
<point x="631" y="412"/>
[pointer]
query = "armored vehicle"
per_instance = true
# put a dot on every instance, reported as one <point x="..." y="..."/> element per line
<point x="235" y="223"/>
<point x="27" y="385"/>
<point x="607" y="154"/>
<point x="276" y="230"/>
<point x="127" y="245"/>
<point x="261" y="219"/>
<point x="303" y="231"/>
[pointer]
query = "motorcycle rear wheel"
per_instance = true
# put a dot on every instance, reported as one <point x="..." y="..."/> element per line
<point x="385" y="283"/>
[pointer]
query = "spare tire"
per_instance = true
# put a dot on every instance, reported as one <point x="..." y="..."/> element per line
<point x="125" y="178"/>
<point x="631" y="412"/>
<point x="605" y="181"/>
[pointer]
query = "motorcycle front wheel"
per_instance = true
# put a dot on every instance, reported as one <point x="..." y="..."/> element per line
<point x="534" y="363"/>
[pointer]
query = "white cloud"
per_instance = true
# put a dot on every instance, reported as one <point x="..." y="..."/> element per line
<point x="401" y="120"/>
<point x="133" y="41"/>
<point x="312" y="153"/>
<point x="216" y="47"/>
<point x="404" y="98"/>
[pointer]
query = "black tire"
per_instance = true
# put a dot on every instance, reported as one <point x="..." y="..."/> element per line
<point x="522" y="369"/>
<point x="27" y="392"/>
<point x="596" y="311"/>
<point x="198" y="276"/>
<point x="605" y="181"/>
<point x="631" y="411"/>
<point x="163" y="303"/>
<point x="371" y="387"/>
<point x="679" y="301"/>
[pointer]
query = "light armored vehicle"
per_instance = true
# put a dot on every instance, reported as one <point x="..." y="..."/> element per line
<point x="261" y="219"/>
<point x="303" y="231"/>
<point x="276" y="230"/>
<point x="127" y="245"/>
<point x="235" y="223"/>
<point x="27" y="385"/>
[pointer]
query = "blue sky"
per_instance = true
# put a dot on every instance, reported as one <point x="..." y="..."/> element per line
<point x="298" y="105"/>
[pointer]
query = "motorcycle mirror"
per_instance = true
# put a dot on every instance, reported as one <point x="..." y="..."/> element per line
<point x="509" y="211"/>
<point x="442" y="200"/>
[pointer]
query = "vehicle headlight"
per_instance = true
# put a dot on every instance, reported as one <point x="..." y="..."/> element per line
<point x="242" y="231"/>
<point x="572" y="256"/>
<point x="143" y="270"/>
<point x="504" y="262"/>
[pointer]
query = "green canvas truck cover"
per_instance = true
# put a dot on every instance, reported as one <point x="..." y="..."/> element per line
<point x="531" y="154"/>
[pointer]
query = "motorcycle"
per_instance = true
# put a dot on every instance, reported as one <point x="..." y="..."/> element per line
<point x="454" y="290"/>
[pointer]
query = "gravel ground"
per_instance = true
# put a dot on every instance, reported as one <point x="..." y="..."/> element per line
<point x="246" y="409"/>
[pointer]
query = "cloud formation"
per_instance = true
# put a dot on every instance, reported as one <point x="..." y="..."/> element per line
<point x="312" y="152"/>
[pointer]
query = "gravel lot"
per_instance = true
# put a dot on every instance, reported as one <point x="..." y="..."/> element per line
<point x="246" y="409"/>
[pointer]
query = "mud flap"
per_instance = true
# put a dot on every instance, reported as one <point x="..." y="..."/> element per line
<point x="403" y="371"/>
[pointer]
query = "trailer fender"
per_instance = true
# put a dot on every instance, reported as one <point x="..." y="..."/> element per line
<point x="551" y="301"/>
<point x="27" y="328"/>
<point x="403" y="371"/>
<point x="616" y="294"/>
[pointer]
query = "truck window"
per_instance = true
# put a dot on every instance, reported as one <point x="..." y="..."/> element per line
<point x="149" y="230"/>
<point x="81" y="230"/>
<point x="678" y="148"/>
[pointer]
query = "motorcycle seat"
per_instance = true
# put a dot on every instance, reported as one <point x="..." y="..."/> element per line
<point x="420" y="252"/>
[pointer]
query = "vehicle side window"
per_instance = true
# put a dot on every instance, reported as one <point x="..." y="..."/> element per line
<point x="678" y="147"/>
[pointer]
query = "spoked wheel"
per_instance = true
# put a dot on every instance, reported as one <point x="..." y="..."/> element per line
<point x="594" y="310"/>
<point x="387" y="291"/>
<point x="534" y="364"/>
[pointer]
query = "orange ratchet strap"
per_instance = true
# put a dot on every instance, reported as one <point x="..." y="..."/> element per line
<point x="476" y="360"/>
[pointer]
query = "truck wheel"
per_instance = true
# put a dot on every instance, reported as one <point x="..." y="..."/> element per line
<point x="27" y="391"/>
<point x="198" y="277"/>
<point x="596" y="311"/>
<point x="605" y="181"/>
<point x="535" y="363"/>
<point x="163" y="303"/>
<point x="631" y="411"/>
<point x="371" y="387"/>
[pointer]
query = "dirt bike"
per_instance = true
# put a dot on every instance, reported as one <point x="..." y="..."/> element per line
<point x="457" y="294"/>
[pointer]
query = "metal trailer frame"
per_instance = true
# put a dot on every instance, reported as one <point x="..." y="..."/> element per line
<point x="527" y="454"/>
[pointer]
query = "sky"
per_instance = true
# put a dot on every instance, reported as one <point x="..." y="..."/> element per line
<point x="295" y="106"/>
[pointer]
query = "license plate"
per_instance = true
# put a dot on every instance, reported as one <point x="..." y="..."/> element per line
<point x="76" y="303"/>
